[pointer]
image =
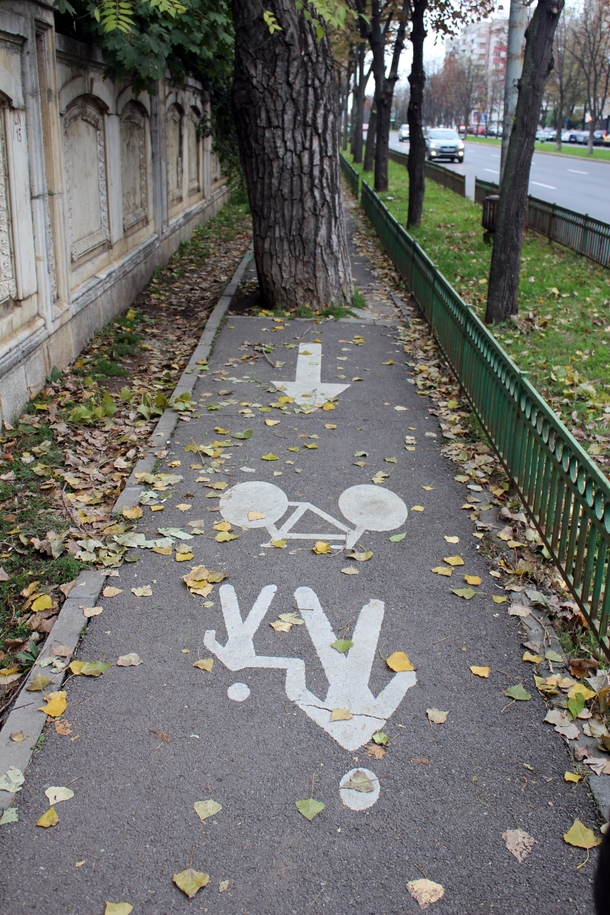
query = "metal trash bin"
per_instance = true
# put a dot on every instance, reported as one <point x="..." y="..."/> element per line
<point x="490" y="212"/>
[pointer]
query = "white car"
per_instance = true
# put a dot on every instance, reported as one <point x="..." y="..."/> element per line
<point x="442" y="143"/>
<point x="403" y="132"/>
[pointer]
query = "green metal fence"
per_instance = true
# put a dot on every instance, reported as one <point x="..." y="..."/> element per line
<point x="453" y="181"/>
<point x="587" y="236"/>
<point x="351" y="176"/>
<point x="567" y="496"/>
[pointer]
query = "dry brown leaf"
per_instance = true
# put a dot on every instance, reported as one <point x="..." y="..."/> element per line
<point x="425" y="892"/>
<point x="519" y="843"/>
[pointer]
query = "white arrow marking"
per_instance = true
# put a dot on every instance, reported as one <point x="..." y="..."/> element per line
<point x="308" y="388"/>
<point x="348" y="675"/>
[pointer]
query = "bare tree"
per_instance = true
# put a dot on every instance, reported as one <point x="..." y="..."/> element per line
<point x="591" y="50"/>
<point x="565" y="85"/>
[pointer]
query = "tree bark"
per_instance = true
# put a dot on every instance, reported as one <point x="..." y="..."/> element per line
<point x="384" y="94"/>
<point x="286" y="110"/>
<point x="502" y="297"/>
<point x="371" y="136"/>
<point x="417" y="144"/>
<point x="358" y="105"/>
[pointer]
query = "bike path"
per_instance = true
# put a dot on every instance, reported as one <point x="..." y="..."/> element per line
<point x="254" y="733"/>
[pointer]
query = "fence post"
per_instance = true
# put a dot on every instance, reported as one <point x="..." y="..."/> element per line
<point x="553" y="223"/>
<point x="585" y="235"/>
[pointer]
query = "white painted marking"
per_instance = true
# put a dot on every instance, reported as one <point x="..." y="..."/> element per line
<point x="367" y="507"/>
<point x="348" y="675"/>
<point x="238" y="692"/>
<point x="308" y="389"/>
<point x="495" y="155"/>
<point x="359" y="800"/>
<point x="577" y="171"/>
<point x="551" y="187"/>
<point x="493" y="170"/>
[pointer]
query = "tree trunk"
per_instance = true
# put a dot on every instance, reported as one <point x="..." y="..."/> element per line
<point x="417" y="144"/>
<point x="285" y="104"/>
<point x="559" y="125"/>
<point x="502" y="297"/>
<point x="371" y="135"/>
<point x="590" y="140"/>
<point x="358" y="106"/>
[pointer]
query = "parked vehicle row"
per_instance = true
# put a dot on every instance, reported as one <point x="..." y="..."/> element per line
<point x="548" y="134"/>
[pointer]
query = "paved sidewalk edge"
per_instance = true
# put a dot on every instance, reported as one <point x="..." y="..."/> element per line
<point x="26" y="715"/>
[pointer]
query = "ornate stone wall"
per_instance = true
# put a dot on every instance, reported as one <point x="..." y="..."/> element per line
<point x="97" y="189"/>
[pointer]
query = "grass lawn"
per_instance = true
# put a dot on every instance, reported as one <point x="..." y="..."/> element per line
<point x="562" y="333"/>
<point x="570" y="149"/>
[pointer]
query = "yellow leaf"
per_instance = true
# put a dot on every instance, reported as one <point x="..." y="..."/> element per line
<point x="49" y="818"/>
<point x="76" y="667"/>
<point x="190" y="881"/>
<point x="184" y="557"/>
<point x="532" y="658"/>
<point x="572" y="777"/>
<point x="341" y="714"/>
<point x="204" y="664"/>
<point x="144" y="591"/>
<point x="92" y="611"/>
<point x="184" y="507"/>
<point x="311" y="446"/>
<point x="205" y="809"/>
<point x="132" y="513"/>
<point x="453" y="560"/>
<point x="497" y="599"/>
<point x="398" y="660"/>
<point x="472" y="579"/>
<point x="223" y="537"/>
<point x="222" y="526"/>
<point x="330" y="425"/>
<point x="221" y="485"/>
<point x="481" y="671"/>
<point x="436" y="716"/>
<point x="269" y="457"/>
<point x="256" y="516"/>
<point x="157" y="508"/>
<point x="162" y="550"/>
<point x="321" y="547"/>
<point x="360" y="557"/>
<point x="580" y="836"/>
<point x="280" y="544"/>
<point x="442" y="570"/>
<point x="417" y="508"/>
<point x="430" y="489"/>
<point x="452" y="539"/>
<point x="579" y="689"/>
<point x="43" y="602"/>
<point x="284" y="399"/>
<point x="272" y="422"/>
<point x="117" y="908"/>
<point x="56" y="704"/>
<point x="425" y="892"/>
<point x="111" y="592"/>
<point x="37" y="685"/>
<point x="9" y="671"/>
<point x="17" y="736"/>
<point x="388" y="362"/>
<point x="328" y="406"/>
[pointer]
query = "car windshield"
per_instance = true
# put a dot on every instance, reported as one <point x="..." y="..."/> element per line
<point x="443" y="135"/>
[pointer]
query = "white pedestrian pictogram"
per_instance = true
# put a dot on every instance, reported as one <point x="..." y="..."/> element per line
<point x="308" y="389"/>
<point x="347" y="673"/>
<point x="366" y="507"/>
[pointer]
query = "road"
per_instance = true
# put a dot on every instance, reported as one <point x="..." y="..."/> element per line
<point x="572" y="182"/>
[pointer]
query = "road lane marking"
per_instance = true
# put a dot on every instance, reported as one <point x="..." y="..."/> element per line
<point x="551" y="187"/>
<point x="348" y="674"/>
<point x="365" y="506"/>
<point x="493" y="170"/>
<point x="577" y="171"/>
<point x="308" y="389"/>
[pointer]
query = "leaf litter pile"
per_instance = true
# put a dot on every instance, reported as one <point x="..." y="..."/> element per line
<point x="67" y="459"/>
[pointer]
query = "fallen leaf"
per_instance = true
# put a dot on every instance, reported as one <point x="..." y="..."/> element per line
<point x="269" y="457"/>
<point x="88" y="668"/>
<point x="599" y="764"/>
<point x="223" y="886"/>
<point x="554" y="656"/>
<point x="49" y="818"/>
<point x="481" y="671"/>
<point x="417" y="508"/>
<point x="110" y="591"/>
<point x="89" y="612"/>
<point x="190" y="881"/>
<point x="465" y="593"/>
<point x="117" y="908"/>
<point x="518" y="692"/>
<point x="144" y="591"/>
<point x="572" y="777"/>
<point x="518" y="843"/>
<point x="519" y="610"/>
<point x="321" y="547"/>
<point x="56" y="794"/>
<point x="341" y="714"/>
<point x="359" y="781"/>
<point x="56" y="704"/>
<point x="17" y="736"/>
<point x="63" y="728"/>
<point x="184" y="556"/>
<point x="580" y="836"/>
<point x="532" y="658"/>
<point x="425" y="892"/>
<point x="497" y="599"/>
<point x="380" y="738"/>
<point x="132" y="513"/>
<point x="472" y="579"/>
<point x="330" y="425"/>
<point x="376" y="752"/>
<point x="224" y="537"/>
<point x="350" y="571"/>
<point x="436" y="716"/>
<point x="129" y="660"/>
<point x="342" y="645"/>
<point x="453" y="560"/>
<point x="256" y="516"/>
<point x="9" y="815"/>
<point x="398" y="660"/>
<point x="39" y="683"/>
<point x="396" y="538"/>
<point x="44" y="602"/>
<point x="222" y="526"/>
<point x="360" y="557"/>
<point x="310" y="808"/>
<point x="279" y="544"/>
<point x="380" y="477"/>
<point x="184" y="507"/>
<point x="452" y="539"/>
<point x="272" y="422"/>
<point x="442" y="570"/>
<point x="204" y="664"/>
<point x="12" y="780"/>
<point x="205" y="809"/>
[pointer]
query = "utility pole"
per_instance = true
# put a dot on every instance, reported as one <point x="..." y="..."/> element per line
<point x="517" y="23"/>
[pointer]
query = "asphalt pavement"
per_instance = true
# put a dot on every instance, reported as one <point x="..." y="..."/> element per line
<point x="299" y="689"/>
<point x="577" y="183"/>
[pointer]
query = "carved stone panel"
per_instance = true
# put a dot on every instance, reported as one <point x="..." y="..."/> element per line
<point x="85" y="157"/>
<point x="194" y="145"/>
<point x="8" y="289"/>
<point x="174" y="153"/>
<point x="134" y="166"/>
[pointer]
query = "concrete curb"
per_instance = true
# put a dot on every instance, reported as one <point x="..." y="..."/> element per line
<point x="26" y="715"/>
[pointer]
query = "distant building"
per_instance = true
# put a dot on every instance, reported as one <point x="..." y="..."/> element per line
<point x="485" y="43"/>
